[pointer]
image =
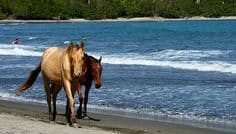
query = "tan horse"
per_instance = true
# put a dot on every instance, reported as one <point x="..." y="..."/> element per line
<point x="60" y="67"/>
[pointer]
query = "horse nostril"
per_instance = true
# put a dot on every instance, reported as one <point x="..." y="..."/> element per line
<point x="76" y="75"/>
<point x="97" y="86"/>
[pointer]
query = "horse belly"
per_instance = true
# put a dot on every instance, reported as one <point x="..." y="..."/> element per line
<point x="51" y="73"/>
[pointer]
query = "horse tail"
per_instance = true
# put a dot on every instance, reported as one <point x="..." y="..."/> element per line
<point x="31" y="79"/>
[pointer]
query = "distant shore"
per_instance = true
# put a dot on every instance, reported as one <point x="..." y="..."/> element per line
<point x="18" y="117"/>
<point x="118" y="19"/>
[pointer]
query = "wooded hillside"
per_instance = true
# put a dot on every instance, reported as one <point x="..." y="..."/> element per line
<point x="100" y="9"/>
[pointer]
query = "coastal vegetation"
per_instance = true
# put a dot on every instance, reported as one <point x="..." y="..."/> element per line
<point x="102" y="9"/>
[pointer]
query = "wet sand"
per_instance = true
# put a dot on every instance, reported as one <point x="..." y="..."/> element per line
<point x="17" y="118"/>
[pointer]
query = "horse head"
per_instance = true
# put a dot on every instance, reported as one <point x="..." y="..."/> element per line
<point x="76" y="54"/>
<point x="97" y="72"/>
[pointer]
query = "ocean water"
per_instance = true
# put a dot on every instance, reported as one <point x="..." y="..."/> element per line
<point x="177" y="71"/>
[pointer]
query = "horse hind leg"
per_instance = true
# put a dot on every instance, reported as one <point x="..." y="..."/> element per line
<point x="49" y="97"/>
<point x="50" y="116"/>
<point x="54" y="107"/>
<point x="55" y="90"/>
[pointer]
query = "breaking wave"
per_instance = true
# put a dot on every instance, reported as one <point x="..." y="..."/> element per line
<point x="179" y="59"/>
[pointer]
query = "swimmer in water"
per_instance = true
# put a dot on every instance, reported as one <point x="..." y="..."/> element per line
<point x="15" y="41"/>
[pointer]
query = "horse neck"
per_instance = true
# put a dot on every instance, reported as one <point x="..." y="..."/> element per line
<point x="87" y="67"/>
<point x="92" y="66"/>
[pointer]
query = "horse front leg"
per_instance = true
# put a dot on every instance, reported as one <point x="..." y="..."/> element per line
<point x="72" y="120"/>
<point x="67" y="107"/>
<point x="86" y="101"/>
<point x="80" y="94"/>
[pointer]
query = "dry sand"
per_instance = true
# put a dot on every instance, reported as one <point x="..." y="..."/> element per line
<point x="22" y="118"/>
<point x="10" y="124"/>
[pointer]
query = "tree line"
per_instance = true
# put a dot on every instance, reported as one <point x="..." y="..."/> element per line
<point x="102" y="9"/>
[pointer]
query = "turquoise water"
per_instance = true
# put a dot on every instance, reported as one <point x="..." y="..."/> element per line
<point x="182" y="71"/>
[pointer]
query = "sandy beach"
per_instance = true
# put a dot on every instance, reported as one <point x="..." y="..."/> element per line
<point x="119" y="19"/>
<point x="32" y="118"/>
<point x="26" y="125"/>
<point x="22" y="118"/>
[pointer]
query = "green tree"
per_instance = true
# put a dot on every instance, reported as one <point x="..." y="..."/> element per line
<point x="101" y="9"/>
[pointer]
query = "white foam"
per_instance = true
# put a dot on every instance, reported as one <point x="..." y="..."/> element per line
<point x="168" y="116"/>
<point x="180" y="59"/>
<point x="32" y="38"/>
<point x="11" y="97"/>
<point x="216" y="66"/>
<point x="188" y="54"/>
<point x="21" y="50"/>
<point x="66" y="42"/>
<point x="136" y="113"/>
<point x="20" y="98"/>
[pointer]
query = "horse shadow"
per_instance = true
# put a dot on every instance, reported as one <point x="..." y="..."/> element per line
<point x="87" y="117"/>
<point x="84" y="117"/>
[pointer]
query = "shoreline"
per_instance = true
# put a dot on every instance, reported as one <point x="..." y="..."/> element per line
<point x="108" y="123"/>
<point x="137" y="19"/>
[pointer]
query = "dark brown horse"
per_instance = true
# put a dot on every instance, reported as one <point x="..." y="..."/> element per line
<point x="92" y="71"/>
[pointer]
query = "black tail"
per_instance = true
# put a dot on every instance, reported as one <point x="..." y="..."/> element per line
<point x="31" y="79"/>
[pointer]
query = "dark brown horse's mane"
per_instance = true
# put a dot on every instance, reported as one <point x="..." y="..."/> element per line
<point x="89" y="61"/>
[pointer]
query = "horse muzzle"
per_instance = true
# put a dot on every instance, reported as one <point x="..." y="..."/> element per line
<point x="98" y="86"/>
<point x="76" y="75"/>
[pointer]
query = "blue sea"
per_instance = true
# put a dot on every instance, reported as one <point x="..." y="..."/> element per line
<point x="173" y="71"/>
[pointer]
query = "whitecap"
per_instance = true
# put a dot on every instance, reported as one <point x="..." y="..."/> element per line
<point x="179" y="60"/>
<point x="32" y="38"/>
<point x="67" y="42"/>
<point x="20" y="50"/>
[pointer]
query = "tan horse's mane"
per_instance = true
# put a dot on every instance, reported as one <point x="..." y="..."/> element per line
<point x="70" y="52"/>
<point x="73" y="46"/>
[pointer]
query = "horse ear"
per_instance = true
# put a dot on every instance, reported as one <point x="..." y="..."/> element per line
<point x="100" y="59"/>
<point x="82" y="45"/>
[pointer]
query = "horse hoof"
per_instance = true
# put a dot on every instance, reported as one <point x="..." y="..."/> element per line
<point x="74" y="125"/>
<point x="86" y="117"/>
<point x="51" y="118"/>
<point x="79" y="116"/>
